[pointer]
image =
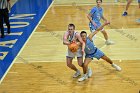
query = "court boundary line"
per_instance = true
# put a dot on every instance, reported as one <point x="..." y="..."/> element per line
<point x="87" y="30"/>
<point x="25" y="43"/>
<point x="73" y="61"/>
<point x="86" y="4"/>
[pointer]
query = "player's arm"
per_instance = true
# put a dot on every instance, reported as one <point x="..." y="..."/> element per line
<point x="90" y="19"/>
<point x="81" y="41"/>
<point x="104" y="18"/>
<point x="97" y="30"/>
<point x="65" y="39"/>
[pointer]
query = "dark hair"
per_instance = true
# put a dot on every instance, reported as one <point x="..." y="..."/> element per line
<point x="82" y="32"/>
<point x="71" y="25"/>
<point x="98" y="0"/>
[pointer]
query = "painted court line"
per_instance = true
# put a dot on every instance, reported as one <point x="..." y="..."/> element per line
<point x="24" y="44"/>
<point x="87" y="4"/>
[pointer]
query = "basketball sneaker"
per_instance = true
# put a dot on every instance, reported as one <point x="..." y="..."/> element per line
<point x="109" y="42"/>
<point x="84" y="77"/>
<point x="76" y="74"/>
<point x="116" y="1"/>
<point x="116" y="67"/>
<point x="125" y="14"/>
<point x="89" y="72"/>
<point x="138" y="20"/>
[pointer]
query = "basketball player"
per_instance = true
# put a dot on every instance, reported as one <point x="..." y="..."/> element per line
<point x="92" y="51"/>
<point x="72" y="36"/>
<point x="95" y="15"/>
<point x="127" y="6"/>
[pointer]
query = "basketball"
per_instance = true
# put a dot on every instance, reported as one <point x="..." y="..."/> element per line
<point x="73" y="47"/>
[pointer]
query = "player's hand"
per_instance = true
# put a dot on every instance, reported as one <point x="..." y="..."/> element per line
<point x="107" y="23"/>
<point x="78" y="43"/>
<point x="73" y="41"/>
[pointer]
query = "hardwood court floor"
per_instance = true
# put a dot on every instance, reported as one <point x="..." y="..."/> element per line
<point x="41" y="67"/>
<point x="59" y="17"/>
<point x="55" y="77"/>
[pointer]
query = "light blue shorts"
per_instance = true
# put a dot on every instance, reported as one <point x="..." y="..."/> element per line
<point x="97" y="54"/>
<point x="92" y="29"/>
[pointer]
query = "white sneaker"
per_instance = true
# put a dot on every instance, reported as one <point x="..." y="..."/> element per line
<point x="76" y="74"/>
<point x="109" y="42"/>
<point x="116" y="1"/>
<point x="116" y="67"/>
<point x="84" y="77"/>
<point x="89" y="72"/>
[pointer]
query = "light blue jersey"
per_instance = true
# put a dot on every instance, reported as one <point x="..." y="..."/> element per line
<point x="89" y="47"/>
<point x="91" y="51"/>
<point x="97" y="13"/>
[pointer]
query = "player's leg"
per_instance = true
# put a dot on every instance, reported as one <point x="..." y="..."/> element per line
<point x="80" y="61"/>
<point x="107" y="42"/>
<point x="139" y="3"/>
<point x="85" y="66"/>
<point x="107" y="59"/>
<point x="128" y="4"/>
<point x="6" y="20"/>
<point x="85" y="71"/>
<point x="1" y="23"/>
<point x="99" y="54"/>
<point x="70" y="65"/>
<point x="69" y="58"/>
<point x="79" y="57"/>
<point x="92" y="29"/>
<point x="126" y="8"/>
<point x="105" y="34"/>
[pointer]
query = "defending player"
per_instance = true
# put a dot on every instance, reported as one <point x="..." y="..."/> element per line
<point x="92" y="51"/>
